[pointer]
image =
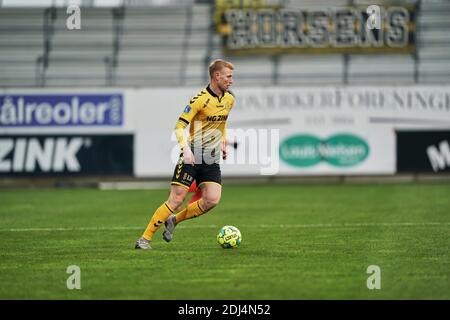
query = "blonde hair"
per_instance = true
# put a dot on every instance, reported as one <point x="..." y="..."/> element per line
<point x="218" y="65"/>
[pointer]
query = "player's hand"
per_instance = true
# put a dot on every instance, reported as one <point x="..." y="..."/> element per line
<point x="224" y="150"/>
<point x="188" y="156"/>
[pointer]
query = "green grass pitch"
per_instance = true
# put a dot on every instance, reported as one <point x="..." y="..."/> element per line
<point x="299" y="242"/>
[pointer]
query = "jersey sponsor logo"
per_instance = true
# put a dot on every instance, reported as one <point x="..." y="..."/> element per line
<point x="187" y="109"/>
<point x="217" y="118"/>
<point x="56" y="110"/>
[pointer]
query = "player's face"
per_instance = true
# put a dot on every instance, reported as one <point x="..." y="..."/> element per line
<point x="224" y="78"/>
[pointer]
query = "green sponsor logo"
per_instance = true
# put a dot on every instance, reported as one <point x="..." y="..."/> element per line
<point x="341" y="150"/>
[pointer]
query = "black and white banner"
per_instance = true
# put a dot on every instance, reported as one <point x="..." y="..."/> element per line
<point x="423" y="151"/>
<point x="30" y="155"/>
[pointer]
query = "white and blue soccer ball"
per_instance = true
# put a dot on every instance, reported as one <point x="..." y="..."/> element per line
<point x="229" y="237"/>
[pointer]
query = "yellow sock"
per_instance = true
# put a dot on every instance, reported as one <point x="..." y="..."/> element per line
<point x="159" y="217"/>
<point x="191" y="211"/>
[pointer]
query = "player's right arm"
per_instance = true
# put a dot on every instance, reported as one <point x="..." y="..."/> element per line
<point x="183" y="121"/>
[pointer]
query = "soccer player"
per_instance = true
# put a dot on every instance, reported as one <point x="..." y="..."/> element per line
<point x="206" y="114"/>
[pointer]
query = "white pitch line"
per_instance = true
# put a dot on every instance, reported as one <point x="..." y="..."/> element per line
<point x="262" y="226"/>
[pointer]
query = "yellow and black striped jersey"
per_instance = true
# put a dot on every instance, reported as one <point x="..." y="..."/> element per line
<point x="207" y="115"/>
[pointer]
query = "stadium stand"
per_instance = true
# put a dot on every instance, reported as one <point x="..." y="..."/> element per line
<point x="21" y="42"/>
<point x="78" y="57"/>
<point x="170" y="46"/>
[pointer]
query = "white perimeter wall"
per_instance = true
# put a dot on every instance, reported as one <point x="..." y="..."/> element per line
<point x="368" y="114"/>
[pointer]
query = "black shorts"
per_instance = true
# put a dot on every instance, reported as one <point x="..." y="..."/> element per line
<point x="184" y="174"/>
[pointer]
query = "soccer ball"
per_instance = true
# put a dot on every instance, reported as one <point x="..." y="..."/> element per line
<point x="229" y="237"/>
